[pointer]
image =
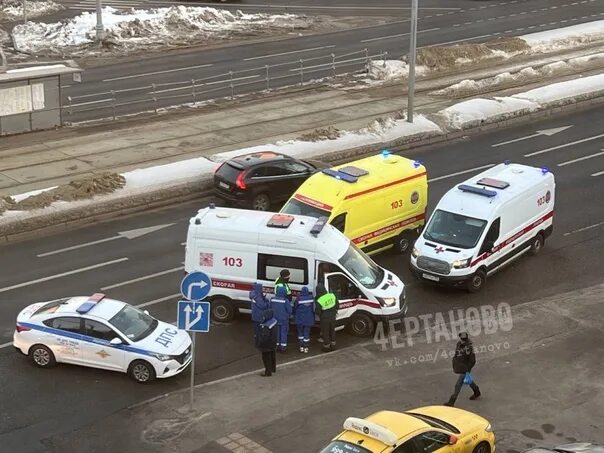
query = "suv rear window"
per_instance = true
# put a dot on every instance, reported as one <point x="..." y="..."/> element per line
<point x="228" y="172"/>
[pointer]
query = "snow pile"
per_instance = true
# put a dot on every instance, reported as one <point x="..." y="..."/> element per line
<point x="385" y="70"/>
<point x="561" y="92"/>
<point x="564" y="38"/>
<point x="155" y="27"/>
<point x="13" y="9"/>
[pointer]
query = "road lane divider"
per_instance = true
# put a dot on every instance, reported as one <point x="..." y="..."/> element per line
<point x="587" y="228"/>
<point x="143" y="278"/>
<point x="568" y="162"/>
<point x="398" y="35"/>
<point x="145" y="74"/>
<point x="288" y="53"/>
<point x="463" y="172"/>
<point x="160" y="300"/>
<point x="565" y="145"/>
<point x="62" y="274"/>
<point x="600" y="173"/>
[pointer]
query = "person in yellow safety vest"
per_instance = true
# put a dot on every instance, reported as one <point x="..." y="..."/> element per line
<point x="327" y="306"/>
<point x="283" y="281"/>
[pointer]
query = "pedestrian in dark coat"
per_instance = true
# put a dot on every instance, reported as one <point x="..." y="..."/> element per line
<point x="463" y="362"/>
<point x="266" y="342"/>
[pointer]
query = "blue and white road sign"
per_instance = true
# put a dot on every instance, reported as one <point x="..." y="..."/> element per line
<point x="193" y="316"/>
<point x="195" y="286"/>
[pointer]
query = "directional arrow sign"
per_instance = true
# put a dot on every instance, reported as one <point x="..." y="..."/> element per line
<point x="193" y="316"/>
<point x="195" y="286"/>
<point x="130" y="234"/>
<point x="546" y="132"/>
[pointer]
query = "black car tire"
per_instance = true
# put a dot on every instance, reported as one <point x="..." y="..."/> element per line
<point x="42" y="356"/>
<point x="222" y="310"/>
<point x="537" y="244"/>
<point x="404" y="242"/>
<point x="261" y="202"/>
<point x="477" y="281"/>
<point x="482" y="447"/>
<point x="361" y="325"/>
<point x="142" y="372"/>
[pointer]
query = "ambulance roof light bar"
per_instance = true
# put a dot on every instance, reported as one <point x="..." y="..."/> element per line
<point x="339" y="175"/>
<point x="90" y="303"/>
<point x="477" y="191"/>
<point x="371" y="429"/>
<point x="280" y="221"/>
<point x="318" y="226"/>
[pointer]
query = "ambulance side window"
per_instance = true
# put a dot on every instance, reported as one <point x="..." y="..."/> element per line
<point x="269" y="267"/>
<point x="339" y="222"/>
<point x="491" y="236"/>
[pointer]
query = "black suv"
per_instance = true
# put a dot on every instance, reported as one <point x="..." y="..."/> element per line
<point x="258" y="180"/>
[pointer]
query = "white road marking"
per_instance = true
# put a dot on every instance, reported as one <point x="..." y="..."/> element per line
<point x="568" y="162"/>
<point x="188" y="87"/>
<point x="6" y="345"/>
<point x="287" y="53"/>
<point x="143" y="278"/>
<point x="183" y="243"/>
<point x="580" y="230"/>
<point x="459" y="40"/>
<point x="161" y="299"/>
<point x="461" y="172"/>
<point x="398" y="36"/>
<point x="547" y="132"/>
<point x="62" y="274"/>
<point x="145" y="74"/>
<point x="553" y="148"/>
<point x="600" y="173"/>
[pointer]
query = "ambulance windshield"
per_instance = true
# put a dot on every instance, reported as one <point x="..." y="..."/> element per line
<point x="295" y="207"/>
<point x="361" y="267"/>
<point x="456" y="230"/>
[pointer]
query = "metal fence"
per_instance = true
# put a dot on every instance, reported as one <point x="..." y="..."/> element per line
<point x="156" y="97"/>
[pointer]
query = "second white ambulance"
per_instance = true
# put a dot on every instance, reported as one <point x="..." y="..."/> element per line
<point x="237" y="248"/>
<point x="483" y="224"/>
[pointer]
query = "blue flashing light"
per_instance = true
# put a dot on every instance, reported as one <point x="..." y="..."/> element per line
<point x="477" y="191"/>
<point x="544" y="170"/>
<point x="507" y="162"/>
<point x="90" y="303"/>
<point x="318" y="226"/>
<point x="417" y="163"/>
<point x="386" y="153"/>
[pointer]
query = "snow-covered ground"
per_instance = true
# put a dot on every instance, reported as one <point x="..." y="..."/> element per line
<point x="13" y="9"/>
<point x="564" y="38"/>
<point x="160" y="27"/>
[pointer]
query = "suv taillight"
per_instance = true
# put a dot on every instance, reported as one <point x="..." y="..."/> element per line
<point x="240" y="182"/>
<point x="19" y="328"/>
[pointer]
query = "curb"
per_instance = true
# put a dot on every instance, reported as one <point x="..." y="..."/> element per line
<point x="80" y="216"/>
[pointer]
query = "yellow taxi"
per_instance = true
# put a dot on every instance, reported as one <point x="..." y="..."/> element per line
<point x="423" y="430"/>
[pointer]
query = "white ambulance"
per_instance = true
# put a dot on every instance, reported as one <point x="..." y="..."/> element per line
<point x="238" y="248"/>
<point x="483" y="224"/>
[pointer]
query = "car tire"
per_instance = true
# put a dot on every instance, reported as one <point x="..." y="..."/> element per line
<point x="142" y="372"/>
<point x="537" y="244"/>
<point x="42" y="356"/>
<point x="222" y="310"/>
<point x="477" y="281"/>
<point x="261" y="202"/>
<point x="482" y="447"/>
<point x="361" y="325"/>
<point x="403" y="243"/>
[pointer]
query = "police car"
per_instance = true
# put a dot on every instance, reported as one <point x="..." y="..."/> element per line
<point x="102" y="333"/>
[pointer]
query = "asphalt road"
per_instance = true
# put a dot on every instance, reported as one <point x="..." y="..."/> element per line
<point x="147" y="270"/>
<point x="132" y="81"/>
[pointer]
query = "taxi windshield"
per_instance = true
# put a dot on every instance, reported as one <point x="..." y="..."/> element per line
<point x="295" y="207"/>
<point x="133" y="323"/>
<point x="339" y="446"/>
<point x="361" y="267"/>
<point x="453" y="229"/>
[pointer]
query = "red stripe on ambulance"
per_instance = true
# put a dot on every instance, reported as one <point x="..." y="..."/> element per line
<point x="383" y="186"/>
<point x="388" y="229"/>
<point x="311" y="202"/>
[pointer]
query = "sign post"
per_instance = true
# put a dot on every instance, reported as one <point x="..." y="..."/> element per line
<point x="193" y="314"/>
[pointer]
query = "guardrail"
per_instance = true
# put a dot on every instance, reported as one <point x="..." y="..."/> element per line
<point x="157" y="97"/>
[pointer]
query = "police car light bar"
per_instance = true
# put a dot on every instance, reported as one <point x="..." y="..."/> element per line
<point x="91" y="302"/>
<point x="339" y="175"/>
<point x="477" y="190"/>
<point x="373" y="430"/>
<point x="318" y="226"/>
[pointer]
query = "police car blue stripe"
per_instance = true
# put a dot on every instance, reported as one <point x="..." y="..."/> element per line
<point x="86" y="338"/>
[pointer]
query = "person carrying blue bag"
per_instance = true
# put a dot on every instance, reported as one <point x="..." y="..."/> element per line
<point x="304" y="313"/>
<point x="463" y="362"/>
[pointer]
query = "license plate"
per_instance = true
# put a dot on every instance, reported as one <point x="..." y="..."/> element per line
<point x="223" y="185"/>
<point x="431" y="277"/>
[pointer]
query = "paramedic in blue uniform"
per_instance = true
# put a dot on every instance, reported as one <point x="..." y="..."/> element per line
<point x="266" y="342"/>
<point x="282" y="310"/>
<point x="304" y="314"/>
<point x="259" y="304"/>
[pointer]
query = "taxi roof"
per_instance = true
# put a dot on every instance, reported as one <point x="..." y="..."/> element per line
<point x="382" y="169"/>
<point x="105" y="309"/>
<point x="401" y="425"/>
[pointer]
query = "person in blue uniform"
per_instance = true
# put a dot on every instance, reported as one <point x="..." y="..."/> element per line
<point x="259" y="304"/>
<point x="282" y="310"/>
<point x="304" y="315"/>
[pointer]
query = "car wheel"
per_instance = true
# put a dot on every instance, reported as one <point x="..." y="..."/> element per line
<point x="537" y="244"/>
<point x="477" y="281"/>
<point x="141" y="371"/>
<point x="223" y="310"/>
<point x="261" y="202"/>
<point x="403" y="242"/>
<point x="42" y="356"/>
<point x="482" y="447"/>
<point x="361" y="325"/>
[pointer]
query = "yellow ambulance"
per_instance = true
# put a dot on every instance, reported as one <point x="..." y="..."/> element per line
<point x="378" y="202"/>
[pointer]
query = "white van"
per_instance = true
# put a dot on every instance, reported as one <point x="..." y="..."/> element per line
<point x="237" y="248"/>
<point x="483" y="224"/>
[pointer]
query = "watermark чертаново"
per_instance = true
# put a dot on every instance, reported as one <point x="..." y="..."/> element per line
<point x="441" y="326"/>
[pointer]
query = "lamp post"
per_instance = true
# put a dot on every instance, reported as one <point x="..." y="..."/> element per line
<point x="4" y="66"/>
<point x="24" y="11"/>
<point x="412" y="48"/>
<point x="99" y="22"/>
